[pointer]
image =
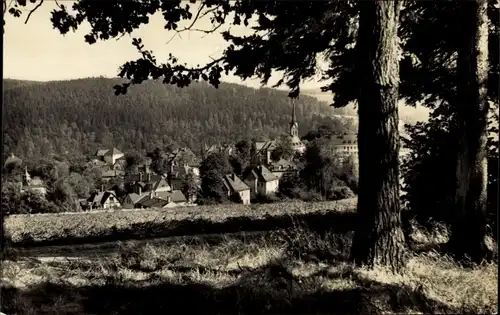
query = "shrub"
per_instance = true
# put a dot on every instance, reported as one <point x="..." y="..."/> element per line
<point x="339" y="193"/>
<point x="16" y="202"/>
<point x="269" y="198"/>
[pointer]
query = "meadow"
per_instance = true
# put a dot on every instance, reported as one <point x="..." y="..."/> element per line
<point x="294" y="270"/>
<point x="295" y="260"/>
<point x="117" y="225"/>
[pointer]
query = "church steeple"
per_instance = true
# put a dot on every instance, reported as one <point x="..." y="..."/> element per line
<point x="294" y="125"/>
<point x="26" y="177"/>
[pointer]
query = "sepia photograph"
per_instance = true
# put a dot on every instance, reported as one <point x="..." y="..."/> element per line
<point x="250" y="157"/>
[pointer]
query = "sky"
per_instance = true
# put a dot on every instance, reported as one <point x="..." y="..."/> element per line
<point x="36" y="51"/>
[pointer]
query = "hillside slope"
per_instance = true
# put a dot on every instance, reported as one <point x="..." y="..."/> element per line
<point x="74" y="118"/>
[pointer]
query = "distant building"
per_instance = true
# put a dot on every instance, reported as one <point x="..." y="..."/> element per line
<point x="261" y="181"/>
<point x="111" y="163"/>
<point x="12" y="159"/>
<point x="104" y="200"/>
<point x="282" y="168"/>
<point x="181" y="162"/>
<point x="184" y="157"/>
<point x="141" y="183"/>
<point x="107" y="175"/>
<point x="134" y="201"/>
<point x="264" y="149"/>
<point x="297" y="144"/>
<point x="163" y="199"/>
<point x="33" y="184"/>
<point x="347" y="144"/>
<point x="225" y="148"/>
<point x="110" y="156"/>
<point x="236" y="187"/>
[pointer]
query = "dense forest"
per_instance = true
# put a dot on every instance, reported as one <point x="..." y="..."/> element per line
<point x="72" y="119"/>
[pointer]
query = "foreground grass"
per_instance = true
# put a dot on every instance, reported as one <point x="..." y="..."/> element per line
<point x="290" y="271"/>
<point x="54" y="229"/>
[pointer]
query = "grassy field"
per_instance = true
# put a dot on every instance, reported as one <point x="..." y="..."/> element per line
<point x="294" y="270"/>
<point x="74" y="228"/>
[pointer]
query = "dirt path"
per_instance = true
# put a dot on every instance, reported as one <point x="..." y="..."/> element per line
<point x="91" y="251"/>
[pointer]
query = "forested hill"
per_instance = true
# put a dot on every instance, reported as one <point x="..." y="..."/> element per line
<point x="74" y="118"/>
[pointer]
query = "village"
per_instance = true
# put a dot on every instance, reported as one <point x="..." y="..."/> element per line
<point x="146" y="188"/>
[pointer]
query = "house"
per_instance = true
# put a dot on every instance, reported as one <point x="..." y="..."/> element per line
<point x="261" y="181"/>
<point x="40" y="189"/>
<point x="282" y="168"/>
<point x="140" y="183"/>
<point x="163" y="199"/>
<point x="104" y="200"/>
<point x="177" y="183"/>
<point x="130" y="201"/>
<point x="107" y="175"/>
<point x="110" y="156"/>
<point x="174" y="198"/>
<point x="120" y="164"/>
<point x="34" y="184"/>
<point x="225" y="148"/>
<point x="182" y="161"/>
<point x="12" y="159"/>
<point x="183" y="156"/>
<point x="347" y="144"/>
<point x="236" y="187"/>
<point x="263" y="150"/>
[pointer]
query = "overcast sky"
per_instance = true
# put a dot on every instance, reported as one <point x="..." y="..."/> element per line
<point x="35" y="51"/>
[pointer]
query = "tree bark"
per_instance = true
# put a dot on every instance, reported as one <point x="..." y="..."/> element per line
<point x="379" y="239"/>
<point x="468" y="229"/>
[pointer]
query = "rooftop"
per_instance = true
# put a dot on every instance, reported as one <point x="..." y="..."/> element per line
<point x="234" y="183"/>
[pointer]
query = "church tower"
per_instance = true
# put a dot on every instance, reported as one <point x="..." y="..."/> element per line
<point x="294" y="125"/>
<point x="26" y="176"/>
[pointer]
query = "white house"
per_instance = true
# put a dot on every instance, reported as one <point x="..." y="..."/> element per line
<point x="109" y="156"/>
<point x="235" y="186"/>
<point x="112" y="155"/>
<point x="262" y="181"/>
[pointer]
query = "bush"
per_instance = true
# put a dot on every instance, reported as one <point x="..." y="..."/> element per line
<point x="16" y="202"/>
<point x="236" y="198"/>
<point x="308" y="195"/>
<point x="270" y="198"/>
<point x="339" y="193"/>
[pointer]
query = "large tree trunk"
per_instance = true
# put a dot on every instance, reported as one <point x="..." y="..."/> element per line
<point x="469" y="226"/>
<point x="379" y="239"/>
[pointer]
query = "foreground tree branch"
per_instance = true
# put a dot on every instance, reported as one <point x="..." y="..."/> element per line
<point x="33" y="10"/>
